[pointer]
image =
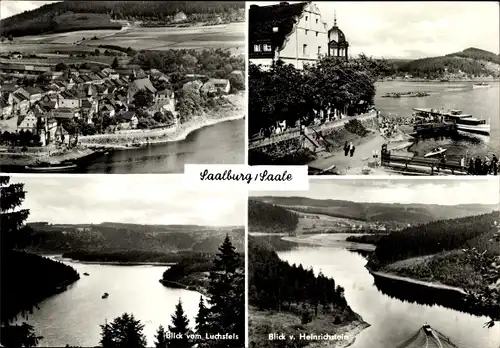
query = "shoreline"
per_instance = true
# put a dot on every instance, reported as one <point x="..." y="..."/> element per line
<point x="115" y="263"/>
<point x="130" y="141"/>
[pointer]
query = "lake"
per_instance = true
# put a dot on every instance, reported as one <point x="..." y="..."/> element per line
<point x="392" y="320"/>
<point x="483" y="103"/>
<point x="73" y="316"/>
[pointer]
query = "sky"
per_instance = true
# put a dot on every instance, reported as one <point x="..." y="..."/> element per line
<point x="142" y="199"/>
<point x="427" y="191"/>
<point x="10" y="8"/>
<point x="413" y="30"/>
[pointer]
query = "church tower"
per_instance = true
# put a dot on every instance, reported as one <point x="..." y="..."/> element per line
<point x="337" y="43"/>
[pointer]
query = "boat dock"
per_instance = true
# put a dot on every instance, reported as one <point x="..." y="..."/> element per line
<point x="434" y="129"/>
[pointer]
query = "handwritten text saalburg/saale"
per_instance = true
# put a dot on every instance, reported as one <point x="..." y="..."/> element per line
<point x="228" y="175"/>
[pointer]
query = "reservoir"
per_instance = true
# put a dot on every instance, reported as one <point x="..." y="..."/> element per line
<point x="392" y="320"/>
<point x="73" y="316"/>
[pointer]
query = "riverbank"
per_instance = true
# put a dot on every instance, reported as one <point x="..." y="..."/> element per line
<point x="234" y="110"/>
<point x="43" y="155"/>
<point x="115" y="263"/>
<point x="263" y="323"/>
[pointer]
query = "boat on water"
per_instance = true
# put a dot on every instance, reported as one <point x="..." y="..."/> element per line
<point x="105" y="295"/>
<point x="427" y="329"/>
<point x="48" y="167"/>
<point x="480" y="85"/>
<point x="464" y="122"/>
<point x="435" y="152"/>
<point x="86" y="274"/>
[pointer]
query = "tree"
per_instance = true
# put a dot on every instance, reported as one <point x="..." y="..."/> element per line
<point x="97" y="52"/>
<point x="124" y="331"/>
<point x="115" y="63"/>
<point x="180" y="328"/>
<point x="143" y="99"/>
<point x="161" y="338"/>
<point x="227" y="295"/>
<point x="202" y="318"/>
<point x="159" y="117"/>
<point x="12" y="220"/>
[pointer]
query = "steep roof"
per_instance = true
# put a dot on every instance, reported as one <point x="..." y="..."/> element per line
<point x="262" y="20"/>
<point x="144" y="84"/>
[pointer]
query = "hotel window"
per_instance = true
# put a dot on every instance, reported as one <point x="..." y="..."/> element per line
<point x="304" y="50"/>
<point x="319" y="50"/>
<point x="256" y="48"/>
<point x="317" y="20"/>
<point x="317" y="33"/>
<point x="306" y="31"/>
<point x="267" y="48"/>
<point x="306" y="18"/>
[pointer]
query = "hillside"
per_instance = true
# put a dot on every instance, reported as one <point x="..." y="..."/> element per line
<point x="471" y="62"/>
<point x="381" y="212"/>
<point x="263" y="217"/>
<point x="111" y="237"/>
<point x="67" y="16"/>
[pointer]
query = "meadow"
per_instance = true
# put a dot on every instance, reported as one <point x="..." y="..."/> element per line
<point x="227" y="36"/>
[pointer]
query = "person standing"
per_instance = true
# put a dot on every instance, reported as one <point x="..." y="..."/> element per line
<point x="494" y="163"/>
<point x="478" y="166"/>
<point x="352" y="150"/>
<point x="346" y="148"/>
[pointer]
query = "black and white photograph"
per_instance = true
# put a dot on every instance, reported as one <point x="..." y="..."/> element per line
<point x="121" y="86"/>
<point x="375" y="88"/>
<point x="400" y="263"/>
<point x="119" y="261"/>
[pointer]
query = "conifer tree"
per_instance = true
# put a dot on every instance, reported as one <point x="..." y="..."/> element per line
<point x="179" y="327"/>
<point x="227" y="295"/>
<point x="202" y="320"/>
<point x="161" y="338"/>
<point x="124" y="331"/>
<point x="12" y="234"/>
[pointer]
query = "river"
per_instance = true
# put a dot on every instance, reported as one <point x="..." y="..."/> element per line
<point x="483" y="103"/>
<point x="73" y="316"/>
<point x="222" y="143"/>
<point x="392" y="320"/>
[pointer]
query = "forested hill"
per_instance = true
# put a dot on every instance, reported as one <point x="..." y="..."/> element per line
<point x="403" y="213"/>
<point x="263" y="217"/>
<point x="469" y="63"/>
<point x="115" y="236"/>
<point x="81" y="15"/>
<point x="438" y="236"/>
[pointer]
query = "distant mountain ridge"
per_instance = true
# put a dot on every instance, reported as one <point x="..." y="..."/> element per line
<point x="67" y="16"/>
<point x="404" y="213"/>
<point x="471" y="62"/>
<point x="118" y="237"/>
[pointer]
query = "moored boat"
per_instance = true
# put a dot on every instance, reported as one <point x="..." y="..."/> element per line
<point x="463" y="122"/>
<point x="480" y="85"/>
<point x="51" y="167"/>
<point x="105" y="295"/>
<point x="435" y="152"/>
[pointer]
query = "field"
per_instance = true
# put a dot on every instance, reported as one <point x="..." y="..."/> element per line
<point x="227" y="36"/>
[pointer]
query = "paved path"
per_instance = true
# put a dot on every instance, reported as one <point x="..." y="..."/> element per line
<point x="352" y="165"/>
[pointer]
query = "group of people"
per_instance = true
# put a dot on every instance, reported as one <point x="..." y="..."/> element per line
<point x="349" y="148"/>
<point x="482" y="167"/>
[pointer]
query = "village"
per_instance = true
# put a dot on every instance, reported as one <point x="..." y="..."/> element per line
<point x="60" y="103"/>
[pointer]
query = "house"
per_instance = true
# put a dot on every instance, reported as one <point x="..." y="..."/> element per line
<point x="5" y="107"/>
<point x="33" y="94"/>
<point x="192" y="85"/>
<point x="139" y="85"/>
<point x="127" y="119"/>
<point x="16" y="55"/>
<point x="180" y="17"/>
<point x="65" y="113"/>
<point x="27" y="123"/>
<point x="111" y="73"/>
<point x="53" y="74"/>
<point x="271" y="37"/>
<point x="107" y="110"/>
<point x="20" y="102"/>
<point x="216" y="85"/>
